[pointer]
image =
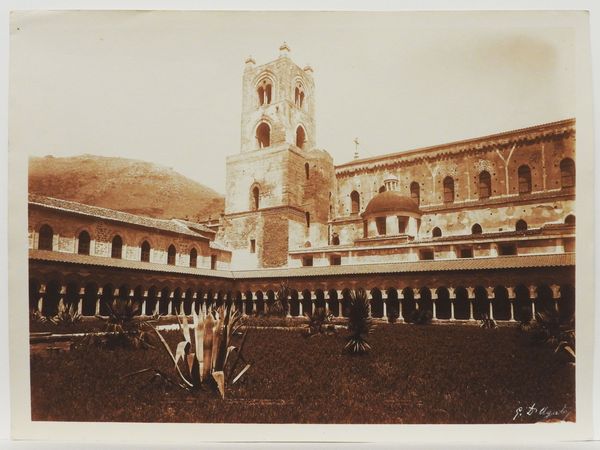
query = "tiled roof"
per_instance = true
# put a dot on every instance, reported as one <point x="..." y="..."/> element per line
<point x="495" y="263"/>
<point x="74" y="258"/>
<point x="173" y="225"/>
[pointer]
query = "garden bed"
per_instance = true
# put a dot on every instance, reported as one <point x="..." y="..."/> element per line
<point x="414" y="374"/>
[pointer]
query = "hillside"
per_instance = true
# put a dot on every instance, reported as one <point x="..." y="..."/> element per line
<point x="128" y="185"/>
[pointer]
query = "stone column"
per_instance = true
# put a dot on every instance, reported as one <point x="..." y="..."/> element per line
<point x="98" y="297"/>
<point x="490" y="296"/>
<point x="555" y="295"/>
<point x="417" y="297"/>
<point x="312" y="302"/>
<point x="41" y="295"/>
<point x="254" y="307"/>
<point x="61" y="296"/>
<point x="170" y="304"/>
<point x="384" y="298"/>
<point x="532" y="297"/>
<point x="144" y="304"/>
<point x="433" y="302"/>
<point x="326" y="299"/>
<point x="471" y="294"/>
<point x="511" y="299"/>
<point x="300" y="312"/>
<point x="400" y="298"/>
<point x="340" y="297"/>
<point x="80" y="301"/>
<point x="452" y="297"/>
<point x="195" y="301"/>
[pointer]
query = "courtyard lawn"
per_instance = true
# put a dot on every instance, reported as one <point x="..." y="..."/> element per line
<point x="414" y="374"/>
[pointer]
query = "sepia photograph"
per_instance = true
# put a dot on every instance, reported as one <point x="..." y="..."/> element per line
<point x="300" y="217"/>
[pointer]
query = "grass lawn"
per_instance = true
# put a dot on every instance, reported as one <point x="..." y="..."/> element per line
<point x="414" y="374"/>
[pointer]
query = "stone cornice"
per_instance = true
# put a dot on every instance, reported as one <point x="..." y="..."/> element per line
<point x="485" y="143"/>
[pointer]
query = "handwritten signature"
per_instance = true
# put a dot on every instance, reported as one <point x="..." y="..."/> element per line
<point x="542" y="413"/>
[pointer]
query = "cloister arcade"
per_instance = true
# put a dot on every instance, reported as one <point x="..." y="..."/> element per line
<point x="510" y="296"/>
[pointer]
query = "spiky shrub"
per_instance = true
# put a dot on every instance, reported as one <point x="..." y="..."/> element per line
<point x="552" y="329"/>
<point x="319" y="322"/>
<point x="121" y="327"/>
<point x="66" y="315"/>
<point x="207" y="356"/>
<point x="487" y="323"/>
<point x="359" y="323"/>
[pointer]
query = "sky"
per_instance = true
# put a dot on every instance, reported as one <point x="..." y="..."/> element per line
<point x="165" y="87"/>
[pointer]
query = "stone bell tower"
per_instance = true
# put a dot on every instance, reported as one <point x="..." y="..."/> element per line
<point x="278" y="186"/>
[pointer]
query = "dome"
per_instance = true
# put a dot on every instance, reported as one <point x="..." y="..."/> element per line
<point x="391" y="202"/>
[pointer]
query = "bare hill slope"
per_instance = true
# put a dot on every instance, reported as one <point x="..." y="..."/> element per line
<point x="128" y="185"/>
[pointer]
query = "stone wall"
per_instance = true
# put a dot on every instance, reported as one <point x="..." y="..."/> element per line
<point x="67" y="227"/>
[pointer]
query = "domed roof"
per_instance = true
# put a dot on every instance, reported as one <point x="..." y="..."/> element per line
<point x="391" y="202"/>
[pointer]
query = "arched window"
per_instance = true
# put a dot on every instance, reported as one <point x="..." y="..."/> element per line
<point x="171" y="252"/>
<point x="448" y="190"/>
<point x="46" y="236"/>
<point x="299" y="95"/>
<point x="307" y="216"/>
<point x="263" y="135"/>
<point x="264" y="91"/>
<point x="300" y="136"/>
<point x="570" y="219"/>
<point x="476" y="229"/>
<point x="567" y="173"/>
<point x="145" y="257"/>
<point x="524" y="174"/>
<point x="83" y="245"/>
<point x="415" y="192"/>
<point x="307" y="171"/>
<point x="193" y="257"/>
<point x="355" y="202"/>
<point x="335" y="239"/>
<point x="117" y="247"/>
<point x="521" y="225"/>
<point x="436" y="232"/>
<point x="485" y="185"/>
<point x="255" y="198"/>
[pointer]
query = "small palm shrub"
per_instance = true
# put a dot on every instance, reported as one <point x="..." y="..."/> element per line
<point x="551" y="329"/>
<point x="420" y="317"/>
<point x="280" y="305"/>
<point x="319" y="322"/>
<point x="359" y="323"/>
<point x="487" y="323"/>
<point x="121" y="328"/>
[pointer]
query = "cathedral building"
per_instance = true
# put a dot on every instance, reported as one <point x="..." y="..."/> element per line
<point x="479" y="227"/>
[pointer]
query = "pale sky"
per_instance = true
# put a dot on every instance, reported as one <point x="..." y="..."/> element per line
<point x="165" y="87"/>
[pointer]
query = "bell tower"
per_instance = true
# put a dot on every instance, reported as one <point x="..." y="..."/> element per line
<point x="278" y="105"/>
<point x="279" y="184"/>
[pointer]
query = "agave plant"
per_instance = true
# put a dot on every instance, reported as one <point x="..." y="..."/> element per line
<point x="359" y="323"/>
<point x="206" y="355"/>
<point x="66" y="315"/>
